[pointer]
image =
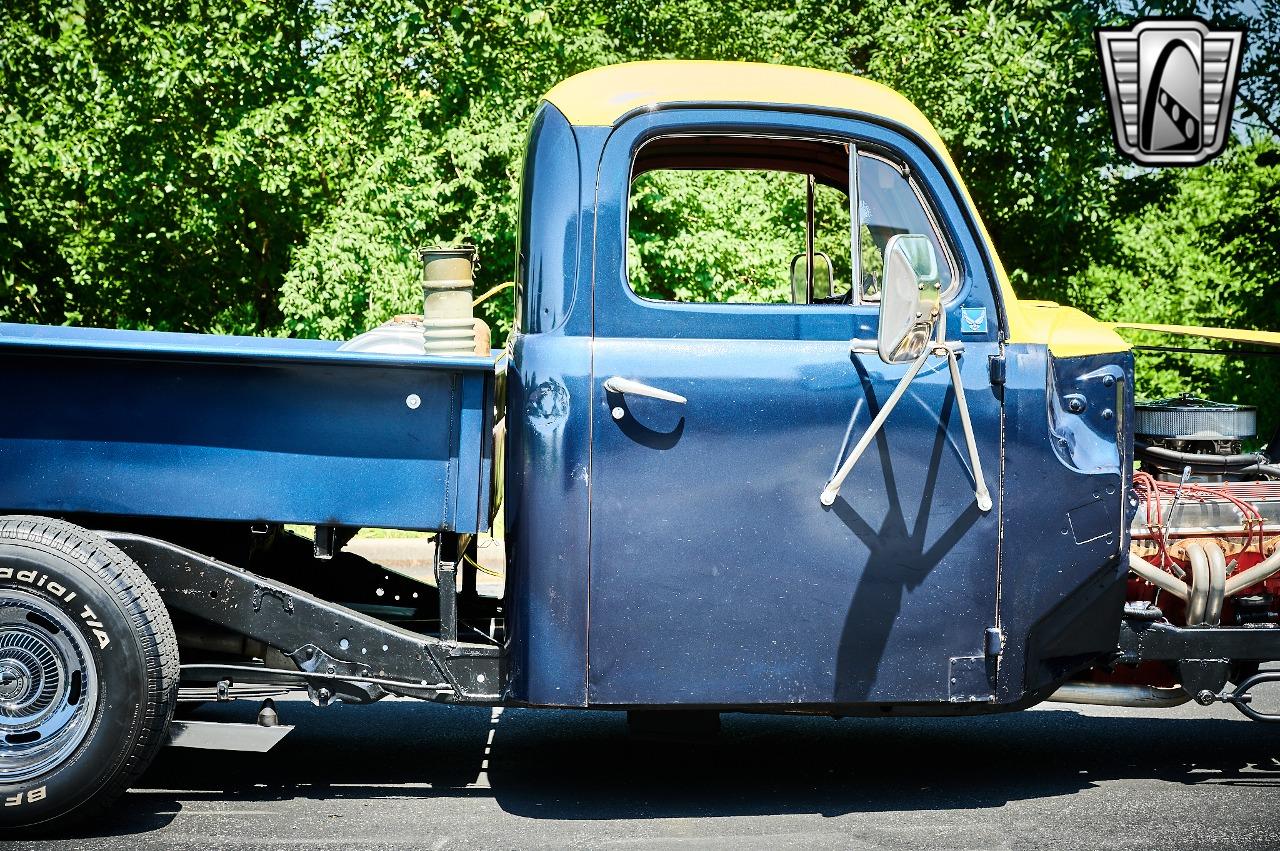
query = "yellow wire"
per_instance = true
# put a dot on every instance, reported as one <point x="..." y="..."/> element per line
<point x="493" y="292"/>
<point x="479" y="568"/>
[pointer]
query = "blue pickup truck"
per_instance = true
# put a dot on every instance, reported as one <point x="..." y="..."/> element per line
<point x="894" y="489"/>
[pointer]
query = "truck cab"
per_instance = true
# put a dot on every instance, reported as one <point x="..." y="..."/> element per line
<point x="689" y="533"/>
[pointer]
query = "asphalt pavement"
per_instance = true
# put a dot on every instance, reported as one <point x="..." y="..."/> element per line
<point x="406" y="774"/>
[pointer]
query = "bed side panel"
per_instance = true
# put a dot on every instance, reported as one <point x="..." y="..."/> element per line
<point x="286" y="440"/>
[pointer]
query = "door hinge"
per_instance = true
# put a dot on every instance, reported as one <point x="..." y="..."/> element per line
<point x="995" y="642"/>
<point x="994" y="649"/>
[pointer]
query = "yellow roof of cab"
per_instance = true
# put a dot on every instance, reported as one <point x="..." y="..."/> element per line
<point x="603" y="96"/>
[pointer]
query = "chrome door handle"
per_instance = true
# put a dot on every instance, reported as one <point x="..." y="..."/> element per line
<point x="635" y="388"/>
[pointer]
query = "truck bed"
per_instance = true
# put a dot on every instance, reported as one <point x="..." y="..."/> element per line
<point x="159" y="424"/>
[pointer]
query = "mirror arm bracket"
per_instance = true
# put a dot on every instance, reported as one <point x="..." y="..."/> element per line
<point x="941" y="348"/>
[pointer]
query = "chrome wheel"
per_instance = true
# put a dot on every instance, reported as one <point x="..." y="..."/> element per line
<point x="48" y="686"/>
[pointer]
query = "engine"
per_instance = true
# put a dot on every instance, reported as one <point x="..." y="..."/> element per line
<point x="1208" y="518"/>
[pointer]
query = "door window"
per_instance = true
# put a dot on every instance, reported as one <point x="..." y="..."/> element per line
<point x="736" y="220"/>
<point x="729" y="236"/>
<point x="733" y="220"/>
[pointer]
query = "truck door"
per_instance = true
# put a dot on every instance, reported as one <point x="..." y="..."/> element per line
<point x="721" y="407"/>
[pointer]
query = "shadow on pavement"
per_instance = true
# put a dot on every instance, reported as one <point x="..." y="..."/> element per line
<point x="584" y="765"/>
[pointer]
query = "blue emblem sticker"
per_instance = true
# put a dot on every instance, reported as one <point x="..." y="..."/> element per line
<point x="973" y="320"/>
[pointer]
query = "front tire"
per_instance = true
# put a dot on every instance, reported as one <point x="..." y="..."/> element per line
<point x="88" y="672"/>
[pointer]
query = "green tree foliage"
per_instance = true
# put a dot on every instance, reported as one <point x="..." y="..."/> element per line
<point x="155" y="166"/>
<point x="702" y="221"/>
<point x="438" y="99"/>
<point x="729" y="236"/>
<point x="1204" y="251"/>
<point x="1015" y="91"/>
<point x="267" y="166"/>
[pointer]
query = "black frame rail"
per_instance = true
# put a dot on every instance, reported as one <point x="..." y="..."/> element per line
<point x="1203" y="655"/>
<point x="1146" y="641"/>
<point x="340" y="653"/>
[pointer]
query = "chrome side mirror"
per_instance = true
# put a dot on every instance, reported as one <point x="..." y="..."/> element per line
<point x="823" y="279"/>
<point x="910" y="298"/>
